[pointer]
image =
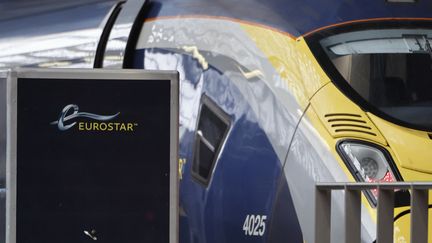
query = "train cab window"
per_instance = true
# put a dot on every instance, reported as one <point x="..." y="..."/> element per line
<point x="213" y="127"/>
<point x="386" y="70"/>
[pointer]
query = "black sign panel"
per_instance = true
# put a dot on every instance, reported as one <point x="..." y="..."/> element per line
<point x="93" y="160"/>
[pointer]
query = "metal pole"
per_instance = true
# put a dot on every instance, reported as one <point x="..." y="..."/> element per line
<point x="385" y="215"/>
<point x="419" y="215"/>
<point x="352" y="216"/>
<point x="322" y="215"/>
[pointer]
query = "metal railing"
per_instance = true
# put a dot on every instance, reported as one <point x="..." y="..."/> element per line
<point x="385" y="210"/>
<point x="2" y="214"/>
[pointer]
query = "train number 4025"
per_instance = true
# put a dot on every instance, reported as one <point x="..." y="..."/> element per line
<point x="255" y="225"/>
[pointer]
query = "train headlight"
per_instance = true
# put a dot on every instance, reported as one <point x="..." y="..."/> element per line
<point x="368" y="163"/>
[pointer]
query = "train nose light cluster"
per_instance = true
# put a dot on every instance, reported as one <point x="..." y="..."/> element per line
<point x="367" y="163"/>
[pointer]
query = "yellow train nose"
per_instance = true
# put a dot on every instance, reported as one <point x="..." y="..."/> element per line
<point x="411" y="147"/>
<point x="402" y="227"/>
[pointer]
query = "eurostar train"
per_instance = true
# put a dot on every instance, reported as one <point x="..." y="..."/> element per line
<point x="275" y="96"/>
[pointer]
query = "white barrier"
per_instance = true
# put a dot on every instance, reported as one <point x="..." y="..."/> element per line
<point x="385" y="210"/>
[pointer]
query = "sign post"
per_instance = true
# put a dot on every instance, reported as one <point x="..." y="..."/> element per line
<point x="92" y="156"/>
<point x="2" y="155"/>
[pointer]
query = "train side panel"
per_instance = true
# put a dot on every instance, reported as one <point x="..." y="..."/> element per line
<point x="245" y="186"/>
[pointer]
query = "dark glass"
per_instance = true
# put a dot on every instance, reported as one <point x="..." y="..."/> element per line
<point x="389" y="68"/>
<point x="211" y="126"/>
<point x="206" y="158"/>
<point x="210" y="135"/>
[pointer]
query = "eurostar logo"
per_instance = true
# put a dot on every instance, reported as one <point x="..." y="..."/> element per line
<point x="71" y="112"/>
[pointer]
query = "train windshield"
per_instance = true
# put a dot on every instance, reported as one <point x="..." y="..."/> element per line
<point x="390" y="69"/>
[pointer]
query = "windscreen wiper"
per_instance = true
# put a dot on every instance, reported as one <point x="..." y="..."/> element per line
<point x="428" y="46"/>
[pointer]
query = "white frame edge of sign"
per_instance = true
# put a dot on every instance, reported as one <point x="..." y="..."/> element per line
<point x="11" y="148"/>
